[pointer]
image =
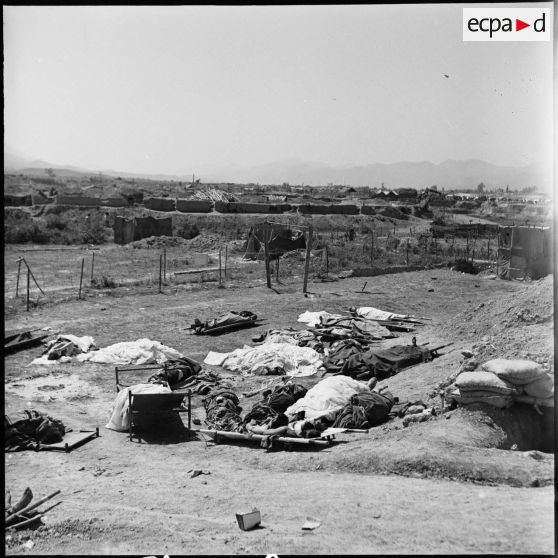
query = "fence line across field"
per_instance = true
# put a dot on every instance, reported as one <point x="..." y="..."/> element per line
<point x="66" y="269"/>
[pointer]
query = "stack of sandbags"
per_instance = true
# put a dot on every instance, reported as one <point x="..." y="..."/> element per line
<point x="532" y="383"/>
<point x="481" y="386"/>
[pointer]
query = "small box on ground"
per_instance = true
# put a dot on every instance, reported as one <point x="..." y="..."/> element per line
<point x="249" y="520"/>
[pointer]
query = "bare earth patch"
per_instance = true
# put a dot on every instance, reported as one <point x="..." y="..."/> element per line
<point x="449" y="485"/>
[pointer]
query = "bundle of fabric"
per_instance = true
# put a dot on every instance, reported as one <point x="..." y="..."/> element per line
<point x="64" y="347"/>
<point x="481" y="386"/>
<point x="365" y="410"/>
<point x="313" y="319"/>
<point x="302" y="337"/>
<point x="142" y="351"/>
<point x="204" y="382"/>
<point x="265" y="416"/>
<point x="229" y="321"/>
<point x="175" y="372"/>
<point x="371" y="313"/>
<point x="532" y="384"/>
<point x="274" y="358"/>
<point x="27" y="429"/>
<point x="326" y="398"/>
<point x="223" y="412"/>
<point x="120" y="414"/>
<point x="283" y="396"/>
<point x="351" y="358"/>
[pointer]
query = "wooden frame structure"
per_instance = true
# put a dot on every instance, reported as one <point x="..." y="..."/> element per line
<point x="268" y="226"/>
<point x="153" y="403"/>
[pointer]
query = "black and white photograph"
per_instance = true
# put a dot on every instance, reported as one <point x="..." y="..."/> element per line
<point x="278" y="279"/>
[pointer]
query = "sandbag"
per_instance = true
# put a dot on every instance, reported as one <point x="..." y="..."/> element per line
<point x="500" y="401"/>
<point x="515" y="371"/>
<point x="479" y="380"/>
<point x="541" y="388"/>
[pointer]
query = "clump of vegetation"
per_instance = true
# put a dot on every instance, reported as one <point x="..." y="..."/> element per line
<point x="55" y="227"/>
<point x="187" y="231"/>
<point x="103" y="282"/>
<point x="465" y="266"/>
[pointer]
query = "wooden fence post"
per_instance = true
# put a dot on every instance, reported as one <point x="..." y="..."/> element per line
<point x="226" y="258"/>
<point x="80" y="277"/>
<point x="17" y="280"/>
<point x="307" y="261"/>
<point x="164" y="264"/>
<point x="92" y="266"/>
<point x="220" y="270"/>
<point x="32" y="276"/>
<point x="372" y="250"/>
<point x="160" y="272"/>
<point x="28" y="279"/>
<point x="267" y="234"/>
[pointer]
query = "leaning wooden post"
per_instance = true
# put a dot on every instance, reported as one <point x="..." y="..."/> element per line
<point x="92" y="266"/>
<point x="267" y="234"/>
<point x="307" y="262"/>
<point x="160" y="273"/>
<point x="17" y="280"/>
<point x="32" y="276"/>
<point x="28" y="279"/>
<point x="81" y="277"/>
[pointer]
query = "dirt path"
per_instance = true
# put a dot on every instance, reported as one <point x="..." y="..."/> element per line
<point x="129" y="498"/>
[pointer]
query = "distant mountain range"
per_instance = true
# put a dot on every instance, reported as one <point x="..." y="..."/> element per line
<point x="449" y="174"/>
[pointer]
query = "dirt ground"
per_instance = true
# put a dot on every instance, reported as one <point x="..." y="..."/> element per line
<point x="464" y="482"/>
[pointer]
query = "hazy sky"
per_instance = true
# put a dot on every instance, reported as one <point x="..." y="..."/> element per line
<point x="175" y="89"/>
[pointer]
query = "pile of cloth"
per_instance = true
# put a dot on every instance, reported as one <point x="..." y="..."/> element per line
<point x="226" y="322"/>
<point x="351" y="358"/>
<point x="142" y="351"/>
<point x="269" y="359"/>
<point x="120" y="414"/>
<point x="502" y="382"/>
<point x="69" y="348"/>
<point x="64" y="347"/>
<point x="27" y="429"/>
<point x="329" y="327"/>
<point x="300" y="337"/>
<point x="175" y="372"/>
<point x="269" y="413"/>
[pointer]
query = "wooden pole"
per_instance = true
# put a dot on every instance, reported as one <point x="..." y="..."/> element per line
<point x="164" y="264"/>
<point x="81" y="277"/>
<point x="160" y="272"/>
<point x="277" y="270"/>
<point x="407" y="254"/>
<point x="497" y="251"/>
<point x="266" y="255"/>
<point x="28" y="279"/>
<point x="372" y="250"/>
<point x="32" y="276"/>
<point x="17" y="280"/>
<point x="327" y="261"/>
<point x="307" y="261"/>
<point x="226" y="258"/>
<point x="220" y="266"/>
<point x="92" y="266"/>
